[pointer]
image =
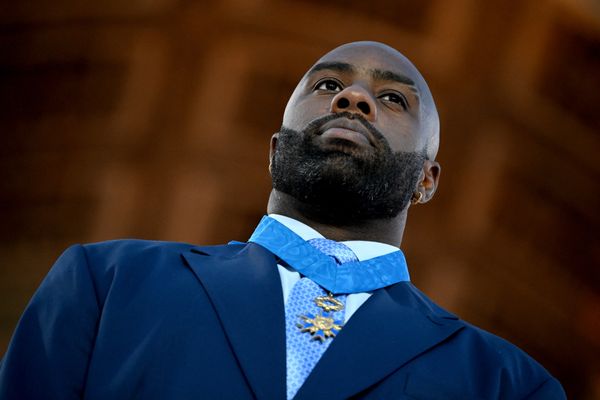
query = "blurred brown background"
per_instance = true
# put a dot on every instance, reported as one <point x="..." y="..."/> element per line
<point x="151" y="119"/>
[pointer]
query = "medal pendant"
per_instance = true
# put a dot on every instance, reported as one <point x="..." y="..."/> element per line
<point x="320" y="326"/>
<point x="323" y="325"/>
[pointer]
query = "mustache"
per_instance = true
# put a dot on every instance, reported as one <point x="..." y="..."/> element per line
<point x="315" y="126"/>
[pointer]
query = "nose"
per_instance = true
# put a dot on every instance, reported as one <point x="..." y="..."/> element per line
<point x="355" y="99"/>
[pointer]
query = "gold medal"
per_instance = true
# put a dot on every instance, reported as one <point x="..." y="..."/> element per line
<point x="323" y="326"/>
<point x="320" y="326"/>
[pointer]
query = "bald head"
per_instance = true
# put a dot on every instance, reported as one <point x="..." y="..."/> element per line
<point x="376" y="68"/>
<point x="360" y="126"/>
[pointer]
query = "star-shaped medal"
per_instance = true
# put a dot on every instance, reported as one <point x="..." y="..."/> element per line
<point x="320" y="326"/>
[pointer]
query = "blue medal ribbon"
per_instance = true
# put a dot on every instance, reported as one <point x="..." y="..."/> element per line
<point x="351" y="277"/>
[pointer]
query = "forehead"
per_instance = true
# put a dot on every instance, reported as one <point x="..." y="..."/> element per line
<point x="371" y="57"/>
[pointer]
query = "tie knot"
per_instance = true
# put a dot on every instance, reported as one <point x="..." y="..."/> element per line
<point x="339" y="251"/>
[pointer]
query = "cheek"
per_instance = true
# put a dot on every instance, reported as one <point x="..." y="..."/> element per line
<point x="288" y="113"/>
<point x="300" y="111"/>
<point x="404" y="135"/>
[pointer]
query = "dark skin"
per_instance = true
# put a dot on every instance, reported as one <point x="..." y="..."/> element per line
<point x="377" y="82"/>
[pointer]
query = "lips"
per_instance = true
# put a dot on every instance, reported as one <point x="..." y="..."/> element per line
<point x="347" y="129"/>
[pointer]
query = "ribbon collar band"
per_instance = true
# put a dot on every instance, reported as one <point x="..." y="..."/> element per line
<point x="351" y="277"/>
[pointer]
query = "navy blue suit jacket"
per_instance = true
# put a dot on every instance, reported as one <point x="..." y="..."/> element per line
<point x="154" y="320"/>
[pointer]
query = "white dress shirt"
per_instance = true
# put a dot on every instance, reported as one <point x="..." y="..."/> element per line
<point x="364" y="250"/>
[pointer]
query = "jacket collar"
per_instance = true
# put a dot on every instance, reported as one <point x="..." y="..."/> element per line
<point x="395" y="325"/>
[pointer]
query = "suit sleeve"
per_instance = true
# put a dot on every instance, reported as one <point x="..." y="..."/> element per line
<point x="48" y="355"/>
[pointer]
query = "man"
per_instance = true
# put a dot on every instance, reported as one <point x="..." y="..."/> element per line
<point x="288" y="314"/>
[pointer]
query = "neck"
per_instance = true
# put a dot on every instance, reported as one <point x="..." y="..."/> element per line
<point x="387" y="231"/>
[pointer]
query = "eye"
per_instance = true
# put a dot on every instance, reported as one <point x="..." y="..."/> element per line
<point x="329" y="85"/>
<point x="395" y="98"/>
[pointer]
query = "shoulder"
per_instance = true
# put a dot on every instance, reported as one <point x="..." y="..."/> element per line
<point x="509" y="366"/>
<point x="488" y="359"/>
<point x="123" y="264"/>
<point x="480" y="341"/>
<point x="116" y="254"/>
<point x="131" y="248"/>
<point x="476" y="335"/>
<point x="135" y="254"/>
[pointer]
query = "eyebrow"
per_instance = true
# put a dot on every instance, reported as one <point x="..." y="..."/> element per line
<point x="391" y="76"/>
<point x="377" y="74"/>
<point x="332" y="65"/>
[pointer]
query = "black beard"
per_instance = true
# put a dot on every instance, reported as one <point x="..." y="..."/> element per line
<point x="346" y="186"/>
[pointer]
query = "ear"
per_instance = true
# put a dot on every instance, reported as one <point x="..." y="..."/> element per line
<point x="272" y="148"/>
<point x="273" y="145"/>
<point x="429" y="181"/>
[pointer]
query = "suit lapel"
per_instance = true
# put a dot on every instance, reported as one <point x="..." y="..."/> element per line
<point x="394" y="326"/>
<point x="244" y="286"/>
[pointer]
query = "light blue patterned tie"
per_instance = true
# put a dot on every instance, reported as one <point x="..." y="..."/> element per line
<point x="303" y="349"/>
<point x="339" y="251"/>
